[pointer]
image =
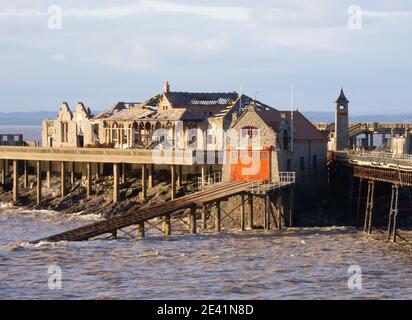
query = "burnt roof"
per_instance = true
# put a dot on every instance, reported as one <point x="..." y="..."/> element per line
<point x="188" y="99"/>
<point x="117" y="107"/>
<point x="176" y="114"/>
<point x="134" y="113"/>
<point x="141" y="112"/>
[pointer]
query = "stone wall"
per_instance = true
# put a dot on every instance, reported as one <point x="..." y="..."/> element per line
<point x="78" y="124"/>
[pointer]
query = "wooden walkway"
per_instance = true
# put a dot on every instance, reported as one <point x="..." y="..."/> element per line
<point x="211" y="194"/>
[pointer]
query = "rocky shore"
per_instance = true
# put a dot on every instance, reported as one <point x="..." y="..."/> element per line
<point x="101" y="201"/>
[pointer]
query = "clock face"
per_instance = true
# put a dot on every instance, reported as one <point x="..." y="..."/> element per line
<point x="342" y="108"/>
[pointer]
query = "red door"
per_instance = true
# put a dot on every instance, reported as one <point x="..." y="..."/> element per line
<point x="249" y="164"/>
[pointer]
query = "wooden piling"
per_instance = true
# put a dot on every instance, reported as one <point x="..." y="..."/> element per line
<point x="150" y="177"/>
<point x="242" y="212"/>
<point x="25" y="175"/>
<point x="72" y="173"/>
<point x="140" y="230"/>
<point x="167" y="225"/>
<point x="143" y="194"/>
<point x="3" y="172"/>
<point x="173" y="181"/>
<point x="38" y="182"/>
<point x="203" y="174"/>
<point x="63" y="179"/>
<point x="218" y="217"/>
<point x="49" y="173"/>
<point x="192" y="220"/>
<point x="179" y="176"/>
<point x="15" y="180"/>
<point x="250" y="216"/>
<point x="89" y="178"/>
<point x="115" y="182"/>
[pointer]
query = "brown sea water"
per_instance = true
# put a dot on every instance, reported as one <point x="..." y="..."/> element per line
<point x="291" y="264"/>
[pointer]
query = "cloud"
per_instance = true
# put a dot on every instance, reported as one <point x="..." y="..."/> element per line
<point x="58" y="57"/>
<point x="227" y="13"/>
<point x="386" y="14"/>
<point x="21" y="13"/>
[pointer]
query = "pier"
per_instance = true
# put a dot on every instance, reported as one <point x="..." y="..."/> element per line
<point x="368" y="129"/>
<point x="370" y="169"/>
<point x="204" y="205"/>
<point x="68" y="157"/>
<point x="207" y="200"/>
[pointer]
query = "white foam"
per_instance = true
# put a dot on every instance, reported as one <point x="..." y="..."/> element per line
<point x="91" y="216"/>
<point x="42" y="244"/>
<point x="6" y="205"/>
<point x="50" y="213"/>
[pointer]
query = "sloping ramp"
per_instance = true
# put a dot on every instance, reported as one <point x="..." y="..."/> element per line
<point x="212" y="193"/>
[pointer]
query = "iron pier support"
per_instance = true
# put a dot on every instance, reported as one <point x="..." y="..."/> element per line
<point x="393" y="213"/>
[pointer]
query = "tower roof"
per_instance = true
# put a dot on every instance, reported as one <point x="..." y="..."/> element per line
<point x="342" y="98"/>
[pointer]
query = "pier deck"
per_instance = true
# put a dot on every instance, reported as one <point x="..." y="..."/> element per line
<point x="99" y="155"/>
<point x="211" y="194"/>
<point x="378" y="167"/>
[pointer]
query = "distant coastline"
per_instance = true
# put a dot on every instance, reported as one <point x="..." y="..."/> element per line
<point x="25" y="118"/>
<point x="30" y="132"/>
<point x="36" y="118"/>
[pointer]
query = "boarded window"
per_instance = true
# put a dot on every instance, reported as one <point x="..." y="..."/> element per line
<point x="302" y="163"/>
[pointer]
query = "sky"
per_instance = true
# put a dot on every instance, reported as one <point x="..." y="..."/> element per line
<point x="99" y="52"/>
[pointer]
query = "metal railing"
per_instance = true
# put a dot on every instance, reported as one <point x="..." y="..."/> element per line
<point x="209" y="180"/>
<point x="377" y="157"/>
<point x="263" y="186"/>
<point x="381" y="155"/>
<point x="358" y="128"/>
<point x="287" y="177"/>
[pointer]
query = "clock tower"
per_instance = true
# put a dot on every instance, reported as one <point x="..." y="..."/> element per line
<point x="341" y="123"/>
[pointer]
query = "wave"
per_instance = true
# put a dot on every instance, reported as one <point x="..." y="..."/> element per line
<point x="41" y="244"/>
<point x="9" y="208"/>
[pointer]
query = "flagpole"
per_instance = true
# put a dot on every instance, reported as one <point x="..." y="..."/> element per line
<point x="291" y="116"/>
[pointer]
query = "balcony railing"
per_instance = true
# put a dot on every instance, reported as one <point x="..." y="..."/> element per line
<point x="263" y="186"/>
<point x="208" y="180"/>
